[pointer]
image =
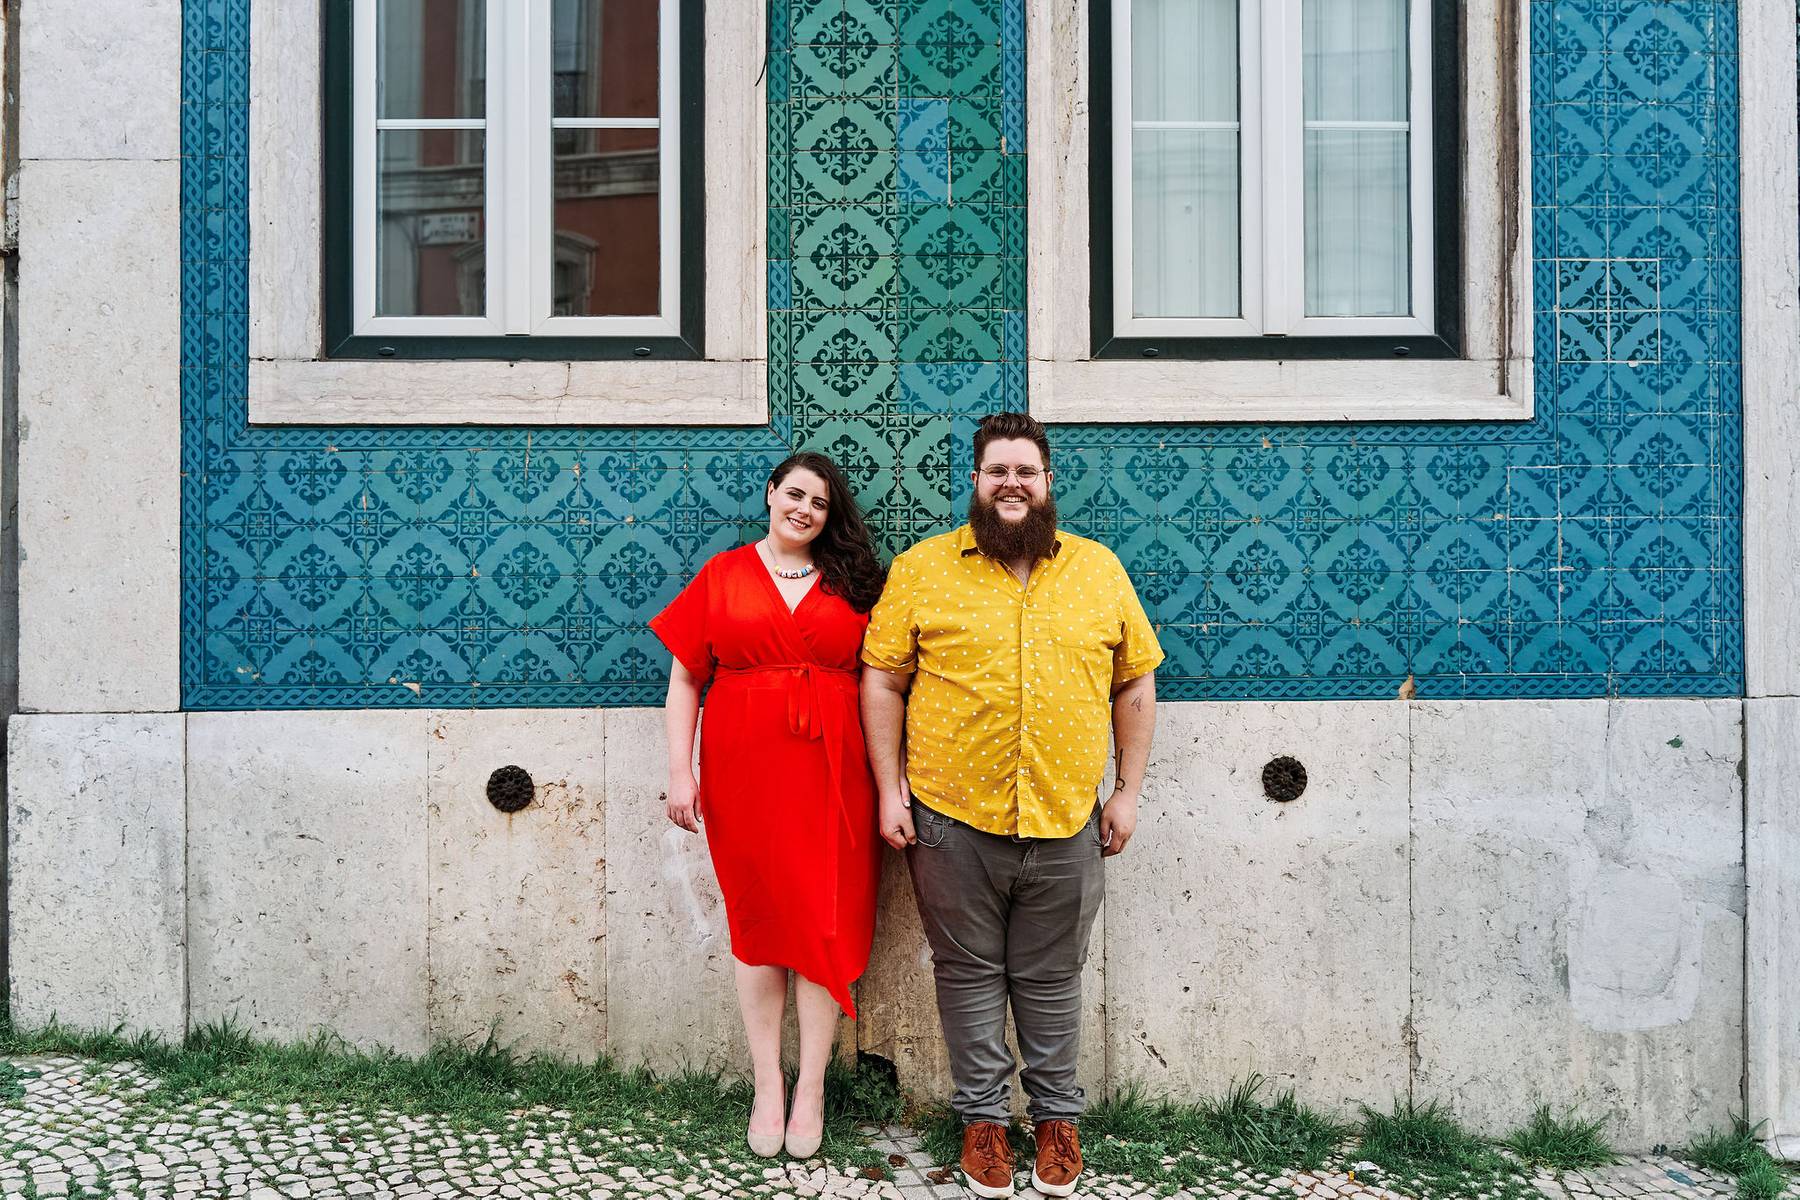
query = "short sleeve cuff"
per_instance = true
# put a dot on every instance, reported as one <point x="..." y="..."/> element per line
<point x="894" y="666"/>
<point x="1133" y="668"/>
<point x="699" y="666"/>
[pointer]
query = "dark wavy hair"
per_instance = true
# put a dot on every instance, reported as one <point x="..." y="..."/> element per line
<point x="844" y="552"/>
<point x="1009" y="426"/>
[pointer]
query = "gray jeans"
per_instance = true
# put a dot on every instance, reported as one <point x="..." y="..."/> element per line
<point x="1007" y="917"/>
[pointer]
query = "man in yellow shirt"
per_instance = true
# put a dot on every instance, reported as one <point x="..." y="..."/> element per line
<point x="1003" y="650"/>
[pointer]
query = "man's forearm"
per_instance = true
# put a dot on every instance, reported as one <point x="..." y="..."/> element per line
<point x="1134" y="721"/>
<point x="884" y="724"/>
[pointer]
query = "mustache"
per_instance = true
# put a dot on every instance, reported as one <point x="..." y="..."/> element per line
<point x="1032" y="536"/>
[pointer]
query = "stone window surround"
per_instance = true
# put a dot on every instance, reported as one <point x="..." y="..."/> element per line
<point x="291" y="384"/>
<point x="1493" y="383"/>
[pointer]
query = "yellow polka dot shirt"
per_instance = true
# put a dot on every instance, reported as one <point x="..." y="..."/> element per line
<point x="1010" y="710"/>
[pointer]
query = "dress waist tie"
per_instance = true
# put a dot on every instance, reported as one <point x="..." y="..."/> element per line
<point x="811" y="717"/>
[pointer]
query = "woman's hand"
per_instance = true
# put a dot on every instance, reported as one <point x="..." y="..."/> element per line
<point x="684" y="801"/>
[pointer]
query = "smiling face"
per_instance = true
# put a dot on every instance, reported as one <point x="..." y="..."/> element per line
<point x="799" y="503"/>
<point x="1010" y="512"/>
<point x="1010" y="479"/>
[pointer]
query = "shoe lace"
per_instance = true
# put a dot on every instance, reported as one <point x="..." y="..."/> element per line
<point x="990" y="1144"/>
<point x="1059" y="1141"/>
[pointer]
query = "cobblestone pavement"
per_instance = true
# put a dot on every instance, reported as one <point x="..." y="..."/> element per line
<point x="80" y="1130"/>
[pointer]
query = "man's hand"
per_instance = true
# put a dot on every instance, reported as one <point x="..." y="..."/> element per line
<point x="1118" y="821"/>
<point x="896" y="817"/>
<point x="684" y="801"/>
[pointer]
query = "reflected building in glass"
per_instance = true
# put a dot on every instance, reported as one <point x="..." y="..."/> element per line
<point x="435" y="152"/>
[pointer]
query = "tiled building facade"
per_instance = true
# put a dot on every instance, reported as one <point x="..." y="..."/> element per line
<point x="1541" y="666"/>
<point x="1592" y="550"/>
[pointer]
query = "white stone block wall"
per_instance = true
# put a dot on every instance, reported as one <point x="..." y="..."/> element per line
<point x="1253" y="936"/>
<point x="1492" y="903"/>
<point x="307" y="880"/>
<point x="1771" y="355"/>
<point x="97" y="896"/>
<point x="1772" y="943"/>
<point x="517" y="904"/>
<point x="99" y="324"/>
<point x="1578" y="911"/>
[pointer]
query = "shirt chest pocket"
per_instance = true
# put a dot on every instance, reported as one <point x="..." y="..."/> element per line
<point x="1083" y="633"/>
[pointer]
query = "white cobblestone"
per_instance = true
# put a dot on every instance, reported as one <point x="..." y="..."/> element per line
<point x="94" y="1128"/>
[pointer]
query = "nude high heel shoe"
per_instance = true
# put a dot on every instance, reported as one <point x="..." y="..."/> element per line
<point x="799" y="1146"/>
<point x="803" y="1145"/>
<point x="764" y="1145"/>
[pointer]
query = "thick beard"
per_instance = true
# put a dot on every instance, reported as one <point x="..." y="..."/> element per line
<point x="1033" y="537"/>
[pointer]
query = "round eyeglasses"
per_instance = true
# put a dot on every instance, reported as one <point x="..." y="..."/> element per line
<point x="1025" y="475"/>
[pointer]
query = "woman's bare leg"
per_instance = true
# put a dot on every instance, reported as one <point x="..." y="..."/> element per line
<point x="818" y="1014"/>
<point x="762" y="998"/>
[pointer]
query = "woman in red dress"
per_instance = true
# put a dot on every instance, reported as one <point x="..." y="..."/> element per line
<point x="784" y="790"/>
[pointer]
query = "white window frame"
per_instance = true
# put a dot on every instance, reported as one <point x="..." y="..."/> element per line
<point x="1493" y="380"/>
<point x="1272" y="193"/>
<point x="292" y="383"/>
<point x="519" y="174"/>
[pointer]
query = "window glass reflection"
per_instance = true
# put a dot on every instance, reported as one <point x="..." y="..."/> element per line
<point x="603" y="53"/>
<point x="431" y="57"/>
<point x="608" y="243"/>
<point x="430" y="243"/>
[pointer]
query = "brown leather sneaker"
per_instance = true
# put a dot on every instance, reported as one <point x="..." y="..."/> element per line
<point x="1058" y="1164"/>
<point x="987" y="1161"/>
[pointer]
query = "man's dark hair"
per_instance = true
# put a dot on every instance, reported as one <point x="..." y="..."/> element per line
<point x="1007" y="426"/>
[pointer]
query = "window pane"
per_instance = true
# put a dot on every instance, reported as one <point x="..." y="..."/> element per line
<point x="1184" y="60"/>
<point x="1184" y="223"/>
<point x="604" y="57"/>
<point x="1355" y="59"/>
<point x="608" y="244"/>
<point x="1358" y="178"/>
<point x="1184" y="158"/>
<point x="430" y="245"/>
<point x="1357" y="223"/>
<point x="431" y="56"/>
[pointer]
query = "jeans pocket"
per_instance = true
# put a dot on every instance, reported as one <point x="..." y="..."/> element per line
<point x="929" y="826"/>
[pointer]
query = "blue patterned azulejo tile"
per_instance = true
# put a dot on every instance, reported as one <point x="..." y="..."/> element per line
<point x="1592" y="550"/>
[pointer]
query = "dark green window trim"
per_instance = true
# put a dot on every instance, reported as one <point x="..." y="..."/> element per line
<point x="336" y="105"/>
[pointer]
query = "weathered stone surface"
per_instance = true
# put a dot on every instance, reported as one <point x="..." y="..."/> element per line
<point x="671" y="990"/>
<point x="307" y="873"/>
<point x="1772" y="838"/>
<point x="95" y="812"/>
<point x="518" y="920"/>
<point x="897" y="999"/>
<point x="1578" y="911"/>
<point x="1246" y="936"/>
<point x="896" y="1002"/>
<point x="104" y="80"/>
<point x="286" y="162"/>
<point x="99" y="435"/>
<point x="396" y="392"/>
<point x="1770" y="350"/>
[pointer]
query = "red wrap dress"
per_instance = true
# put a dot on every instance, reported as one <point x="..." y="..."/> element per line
<point x="786" y="797"/>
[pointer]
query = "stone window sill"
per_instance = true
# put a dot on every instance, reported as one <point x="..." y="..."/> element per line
<point x="1111" y="391"/>
<point x="362" y="392"/>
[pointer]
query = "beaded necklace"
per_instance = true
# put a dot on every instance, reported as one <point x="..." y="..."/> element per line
<point x="785" y="572"/>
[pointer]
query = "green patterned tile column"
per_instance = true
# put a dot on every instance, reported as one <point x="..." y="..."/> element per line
<point x="897" y="232"/>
